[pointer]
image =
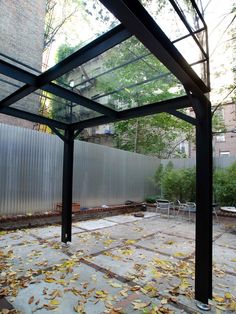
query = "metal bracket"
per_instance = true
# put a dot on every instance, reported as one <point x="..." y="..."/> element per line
<point x="62" y="137"/>
<point x="77" y="133"/>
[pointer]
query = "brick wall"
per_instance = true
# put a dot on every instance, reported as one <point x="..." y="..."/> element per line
<point x="21" y="37"/>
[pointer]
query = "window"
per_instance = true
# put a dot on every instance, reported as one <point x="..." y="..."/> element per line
<point x="182" y="147"/>
<point x="220" y="137"/>
<point x="225" y="153"/>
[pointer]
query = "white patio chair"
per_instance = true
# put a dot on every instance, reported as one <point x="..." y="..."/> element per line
<point x="188" y="207"/>
<point x="163" y="205"/>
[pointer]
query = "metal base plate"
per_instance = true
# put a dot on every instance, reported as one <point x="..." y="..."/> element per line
<point x="202" y="306"/>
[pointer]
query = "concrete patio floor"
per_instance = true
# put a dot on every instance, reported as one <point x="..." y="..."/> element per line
<point x="120" y="264"/>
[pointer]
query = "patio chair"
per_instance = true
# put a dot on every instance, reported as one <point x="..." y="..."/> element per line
<point x="214" y="206"/>
<point x="162" y="204"/>
<point x="188" y="207"/>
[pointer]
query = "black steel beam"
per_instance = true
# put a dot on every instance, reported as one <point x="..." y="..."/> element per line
<point x="21" y="75"/>
<point x="139" y="22"/>
<point x="203" y="249"/>
<point x="162" y="106"/>
<point x="83" y="55"/>
<point x="67" y="186"/>
<point x="182" y="116"/>
<point x="34" y="118"/>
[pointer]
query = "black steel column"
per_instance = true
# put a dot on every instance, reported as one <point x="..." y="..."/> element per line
<point x="203" y="262"/>
<point x="67" y="187"/>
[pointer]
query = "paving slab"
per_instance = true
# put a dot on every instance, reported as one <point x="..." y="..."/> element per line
<point x="135" y="263"/>
<point x="91" y="243"/>
<point x="130" y="218"/>
<point x="16" y="238"/>
<point x="224" y="258"/>
<point x="227" y="240"/>
<point x="141" y="228"/>
<point x="51" y="232"/>
<point x="169" y="244"/>
<point x="94" y="224"/>
<point x="83" y="284"/>
<point x="183" y="229"/>
<point x="32" y="257"/>
<point x="224" y="283"/>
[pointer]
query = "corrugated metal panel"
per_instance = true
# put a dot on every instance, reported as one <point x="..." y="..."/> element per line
<point x="31" y="172"/>
<point x="104" y="175"/>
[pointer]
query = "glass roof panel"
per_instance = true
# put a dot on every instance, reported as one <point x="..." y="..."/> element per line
<point x="181" y="35"/>
<point x="189" y="49"/>
<point x="125" y="76"/>
<point x="88" y="20"/>
<point x="166" y="17"/>
<point x="53" y="107"/>
<point x="191" y="15"/>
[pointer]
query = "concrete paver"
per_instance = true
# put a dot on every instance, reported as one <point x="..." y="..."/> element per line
<point x="51" y="232"/>
<point x="94" y="224"/>
<point x="169" y="244"/>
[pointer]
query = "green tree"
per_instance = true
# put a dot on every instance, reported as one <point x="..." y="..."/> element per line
<point x="137" y="83"/>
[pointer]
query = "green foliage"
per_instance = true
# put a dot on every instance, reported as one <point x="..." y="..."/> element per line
<point x="138" y="79"/>
<point x="225" y="185"/>
<point x="176" y="184"/>
<point x="152" y="199"/>
<point x="180" y="184"/>
<point x="60" y="108"/>
<point x="64" y="51"/>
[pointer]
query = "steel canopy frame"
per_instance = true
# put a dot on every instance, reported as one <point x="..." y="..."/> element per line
<point x="135" y="21"/>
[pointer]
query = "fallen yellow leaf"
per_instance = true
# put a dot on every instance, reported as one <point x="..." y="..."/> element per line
<point x="129" y="242"/>
<point x="54" y="302"/>
<point x="140" y="305"/>
<point x="228" y="295"/>
<point x="179" y="254"/>
<point x="49" y="279"/>
<point x="115" y="285"/>
<point x="219" y="299"/>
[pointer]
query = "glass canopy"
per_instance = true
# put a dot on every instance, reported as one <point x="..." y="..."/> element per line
<point x="121" y="74"/>
<point x="126" y="76"/>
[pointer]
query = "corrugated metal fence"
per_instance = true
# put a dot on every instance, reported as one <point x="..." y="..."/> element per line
<point x="31" y="172"/>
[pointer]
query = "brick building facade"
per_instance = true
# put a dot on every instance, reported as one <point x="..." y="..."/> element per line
<point x="21" y="38"/>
